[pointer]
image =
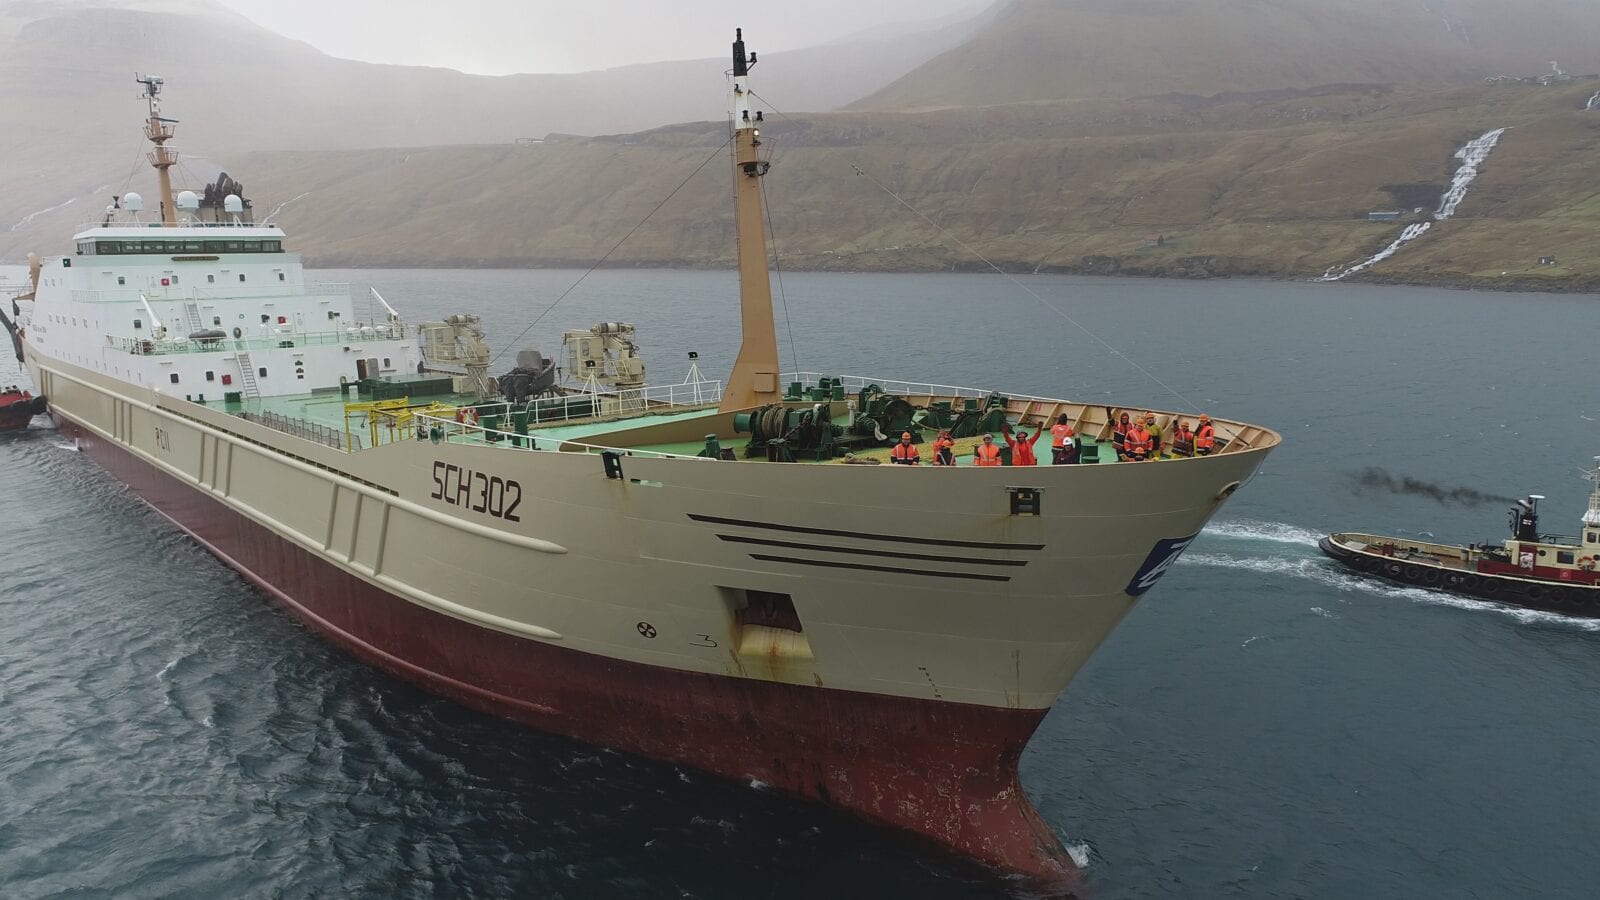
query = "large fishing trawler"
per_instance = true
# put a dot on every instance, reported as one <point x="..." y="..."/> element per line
<point x="691" y="572"/>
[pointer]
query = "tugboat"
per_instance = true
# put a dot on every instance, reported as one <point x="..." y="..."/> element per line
<point x="1555" y="573"/>
<point x="18" y="407"/>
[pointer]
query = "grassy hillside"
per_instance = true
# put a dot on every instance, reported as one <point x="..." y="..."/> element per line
<point x="1273" y="185"/>
<point x="1057" y="49"/>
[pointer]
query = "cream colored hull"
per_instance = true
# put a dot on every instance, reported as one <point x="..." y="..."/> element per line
<point x="647" y="568"/>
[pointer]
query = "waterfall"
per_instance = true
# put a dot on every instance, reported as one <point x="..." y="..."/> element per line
<point x="1472" y="156"/>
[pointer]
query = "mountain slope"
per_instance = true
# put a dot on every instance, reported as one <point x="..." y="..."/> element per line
<point x="1276" y="184"/>
<point x="1061" y="49"/>
<point x="71" y="109"/>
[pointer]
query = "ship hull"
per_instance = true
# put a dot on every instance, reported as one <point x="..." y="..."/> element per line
<point x="944" y="771"/>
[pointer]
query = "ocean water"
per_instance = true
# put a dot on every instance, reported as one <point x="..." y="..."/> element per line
<point x="1262" y="725"/>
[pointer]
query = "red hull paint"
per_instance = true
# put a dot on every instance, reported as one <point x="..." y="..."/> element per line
<point x="16" y="411"/>
<point x="944" y="771"/>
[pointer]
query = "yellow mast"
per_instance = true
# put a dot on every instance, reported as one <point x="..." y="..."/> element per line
<point x="159" y="131"/>
<point x="754" y="379"/>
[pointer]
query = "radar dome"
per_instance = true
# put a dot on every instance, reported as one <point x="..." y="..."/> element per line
<point x="132" y="202"/>
<point x="188" y="200"/>
<point x="232" y="203"/>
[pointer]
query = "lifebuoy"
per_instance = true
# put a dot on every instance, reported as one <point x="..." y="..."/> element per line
<point x="1412" y="572"/>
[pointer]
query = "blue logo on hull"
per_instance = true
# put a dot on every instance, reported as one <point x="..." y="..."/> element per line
<point x="1157" y="563"/>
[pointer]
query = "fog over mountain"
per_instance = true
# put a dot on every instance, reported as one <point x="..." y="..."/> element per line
<point x="1156" y="136"/>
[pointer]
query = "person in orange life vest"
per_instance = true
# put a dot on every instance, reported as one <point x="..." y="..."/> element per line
<point x="1063" y="449"/>
<point x="986" y="453"/>
<point x="1155" y="434"/>
<point x="1139" y="442"/>
<point x="1183" y="440"/>
<point x="1022" y="447"/>
<point x="1205" y="439"/>
<point x="1119" y="436"/>
<point x="905" y="453"/>
<point x="944" y="450"/>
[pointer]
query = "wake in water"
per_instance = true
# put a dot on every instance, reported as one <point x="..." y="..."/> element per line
<point x="1375" y="480"/>
<point x="1288" y="551"/>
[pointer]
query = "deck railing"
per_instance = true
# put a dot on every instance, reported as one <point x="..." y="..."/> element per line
<point x="221" y="292"/>
<point x="301" y="428"/>
<point x="273" y="341"/>
<point x="602" y="404"/>
<point x="448" y="431"/>
<point x="854" y="383"/>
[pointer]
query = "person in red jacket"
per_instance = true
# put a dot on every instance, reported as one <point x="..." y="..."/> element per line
<point x="1063" y="449"/>
<point x="1205" y="438"/>
<point x="1139" y="443"/>
<point x="1119" y="436"/>
<point x="905" y="453"/>
<point x="1022" y="447"/>
<point x="986" y="453"/>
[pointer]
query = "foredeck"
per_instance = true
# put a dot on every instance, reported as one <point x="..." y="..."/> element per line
<point x="667" y="421"/>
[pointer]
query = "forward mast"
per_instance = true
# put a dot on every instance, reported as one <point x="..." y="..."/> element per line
<point x="754" y="379"/>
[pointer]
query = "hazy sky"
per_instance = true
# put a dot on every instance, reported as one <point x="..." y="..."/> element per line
<point x="496" y="37"/>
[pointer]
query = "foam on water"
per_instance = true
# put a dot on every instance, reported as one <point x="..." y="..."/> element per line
<point x="1328" y="573"/>
<point x="1275" y="532"/>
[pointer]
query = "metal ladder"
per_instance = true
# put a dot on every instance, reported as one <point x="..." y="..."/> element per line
<point x="191" y="311"/>
<point x="247" y="375"/>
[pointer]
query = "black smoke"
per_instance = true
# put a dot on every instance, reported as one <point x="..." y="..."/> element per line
<point x="1375" y="480"/>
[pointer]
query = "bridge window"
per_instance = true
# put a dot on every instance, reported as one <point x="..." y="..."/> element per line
<point x="211" y="376"/>
<point x="241" y="276"/>
<point x="174" y="377"/>
<point x="1564" y="557"/>
<point x="121" y="280"/>
<point x="211" y="279"/>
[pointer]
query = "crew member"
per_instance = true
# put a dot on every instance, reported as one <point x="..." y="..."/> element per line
<point x="1155" y="434"/>
<point x="1205" y="438"/>
<point x="1119" y="437"/>
<point x="1063" y="449"/>
<point x="1183" y="441"/>
<point x="986" y="453"/>
<point x="1022" y="447"/>
<point x="1139" y="443"/>
<point x="944" y="450"/>
<point x="905" y="453"/>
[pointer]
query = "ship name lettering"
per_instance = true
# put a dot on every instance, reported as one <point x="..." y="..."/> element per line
<point x="477" y="491"/>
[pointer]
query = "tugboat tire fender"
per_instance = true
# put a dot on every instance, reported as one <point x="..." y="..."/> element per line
<point x="1490" y="586"/>
<point x="1470" y="582"/>
<point x="1412" y="572"/>
<point x="1534" y="592"/>
<point x="1453" y="580"/>
<point x="1392" y="568"/>
<point x="1430" y="577"/>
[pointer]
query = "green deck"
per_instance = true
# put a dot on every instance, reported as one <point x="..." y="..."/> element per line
<point x="321" y="417"/>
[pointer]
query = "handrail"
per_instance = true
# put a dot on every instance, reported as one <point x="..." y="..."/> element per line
<point x="187" y="292"/>
<point x="449" y="431"/>
<point x="274" y="341"/>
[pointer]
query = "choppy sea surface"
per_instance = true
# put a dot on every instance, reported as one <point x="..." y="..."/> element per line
<point x="1262" y="725"/>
